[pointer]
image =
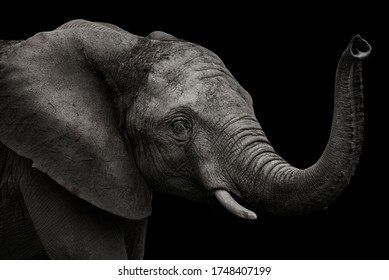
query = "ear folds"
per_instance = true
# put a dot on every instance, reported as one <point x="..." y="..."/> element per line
<point x="162" y="36"/>
<point x="56" y="111"/>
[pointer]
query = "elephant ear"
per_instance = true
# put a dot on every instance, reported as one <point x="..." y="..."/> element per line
<point x="58" y="112"/>
<point x="162" y="36"/>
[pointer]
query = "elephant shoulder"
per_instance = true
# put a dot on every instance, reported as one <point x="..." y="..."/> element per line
<point x="18" y="238"/>
<point x="10" y="175"/>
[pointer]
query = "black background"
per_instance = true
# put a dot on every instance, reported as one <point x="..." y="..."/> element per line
<point x="285" y="57"/>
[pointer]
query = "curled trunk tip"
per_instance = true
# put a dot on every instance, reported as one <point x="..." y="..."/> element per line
<point x="359" y="48"/>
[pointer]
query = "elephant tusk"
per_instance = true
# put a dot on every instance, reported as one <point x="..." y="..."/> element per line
<point x="234" y="207"/>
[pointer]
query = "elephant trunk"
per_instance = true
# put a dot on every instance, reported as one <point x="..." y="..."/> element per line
<point x="281" y="189"/>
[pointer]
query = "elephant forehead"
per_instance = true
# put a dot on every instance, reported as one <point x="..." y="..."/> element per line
<point x="190" y="69"/>
<point x="201" y="86"/>
<point x="174" y="60"/>
<point x="217" y="98"/>
<point x="190" y="75"/>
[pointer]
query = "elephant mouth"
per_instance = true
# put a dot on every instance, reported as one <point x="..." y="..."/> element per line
<point x="232" y="206"/>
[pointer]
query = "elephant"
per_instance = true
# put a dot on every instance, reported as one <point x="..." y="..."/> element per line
<point x="94" y="119"/>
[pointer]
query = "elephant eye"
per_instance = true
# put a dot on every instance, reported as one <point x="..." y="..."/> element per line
<point x="181" y="128"/>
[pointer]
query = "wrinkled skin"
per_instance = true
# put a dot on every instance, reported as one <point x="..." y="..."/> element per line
<point x="135" y="114"/>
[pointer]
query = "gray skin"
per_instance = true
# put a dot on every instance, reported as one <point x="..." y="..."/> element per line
<point x="93" y="118"/>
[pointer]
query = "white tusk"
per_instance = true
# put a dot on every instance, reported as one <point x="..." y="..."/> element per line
<point x="234" y="207"/>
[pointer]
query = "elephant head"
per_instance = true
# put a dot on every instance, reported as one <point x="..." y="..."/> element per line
<point x="111" y="116"/>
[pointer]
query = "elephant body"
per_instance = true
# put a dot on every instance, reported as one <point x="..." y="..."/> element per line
<point x="93" y="119"/>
